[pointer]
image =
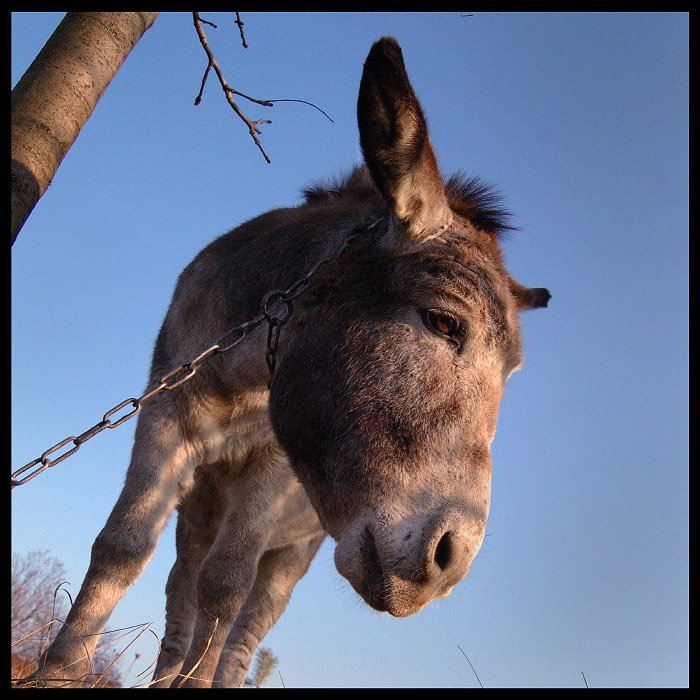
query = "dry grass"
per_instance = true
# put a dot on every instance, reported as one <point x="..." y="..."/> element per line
<point x="23" y="668"/>
<point x="105" y="677"/>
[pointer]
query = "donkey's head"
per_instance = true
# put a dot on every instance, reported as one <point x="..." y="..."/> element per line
<point x="388" y="386"/>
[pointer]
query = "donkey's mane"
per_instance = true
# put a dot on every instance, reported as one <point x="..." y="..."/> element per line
<point x="469" y="197"/>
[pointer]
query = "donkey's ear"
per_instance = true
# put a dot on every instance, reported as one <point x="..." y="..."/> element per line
<point x="395" y="144"/>
<point x="529" y="298"/>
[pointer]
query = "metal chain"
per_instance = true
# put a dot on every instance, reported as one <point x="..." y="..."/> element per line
<point x="186" y="371"/>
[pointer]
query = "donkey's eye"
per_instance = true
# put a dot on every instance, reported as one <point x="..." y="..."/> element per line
<point x="442" y="323"/>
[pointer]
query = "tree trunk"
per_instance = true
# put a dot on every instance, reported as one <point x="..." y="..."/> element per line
<point x="58" y="93"/>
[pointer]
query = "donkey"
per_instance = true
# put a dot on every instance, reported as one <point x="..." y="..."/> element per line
<point x="375" y="427"/>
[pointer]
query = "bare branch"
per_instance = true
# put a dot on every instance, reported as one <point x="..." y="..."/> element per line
<point x="228" y="90"/>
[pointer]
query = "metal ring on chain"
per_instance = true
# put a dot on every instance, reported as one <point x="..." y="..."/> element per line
<point x="276" y="295"/>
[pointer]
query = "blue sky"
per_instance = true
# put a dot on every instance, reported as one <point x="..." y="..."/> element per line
<point x="581" y="121"/>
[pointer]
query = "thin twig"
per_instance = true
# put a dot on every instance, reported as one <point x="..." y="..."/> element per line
<point x="155" y="661"/>
<point x="470" y="663"/>
<point x="29" y="634"/>
<point x="239" y="22"/>
<point x="584" y="679"/>
<point x="311" y="104"/>
<point x="53" y="613"/>
<point x="65" y="591"/>
<point x="136" y="658"/>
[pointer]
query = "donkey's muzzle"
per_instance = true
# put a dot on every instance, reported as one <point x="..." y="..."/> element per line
<point x="401" y="569"/>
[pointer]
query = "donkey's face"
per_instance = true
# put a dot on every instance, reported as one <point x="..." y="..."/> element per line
<point x="387" y="391"/>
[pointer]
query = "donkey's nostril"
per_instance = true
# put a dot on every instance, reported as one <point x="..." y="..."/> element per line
<point x="443" y="551"/>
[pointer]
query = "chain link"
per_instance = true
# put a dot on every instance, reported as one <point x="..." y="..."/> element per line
<point x="186" y="371"/>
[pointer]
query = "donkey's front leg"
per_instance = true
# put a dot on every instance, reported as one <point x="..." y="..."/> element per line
<point x="279" y="571"/>
<point x="227" y="575"/>
<point x="181" y="603"/>
<point x="161" y="461"/>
